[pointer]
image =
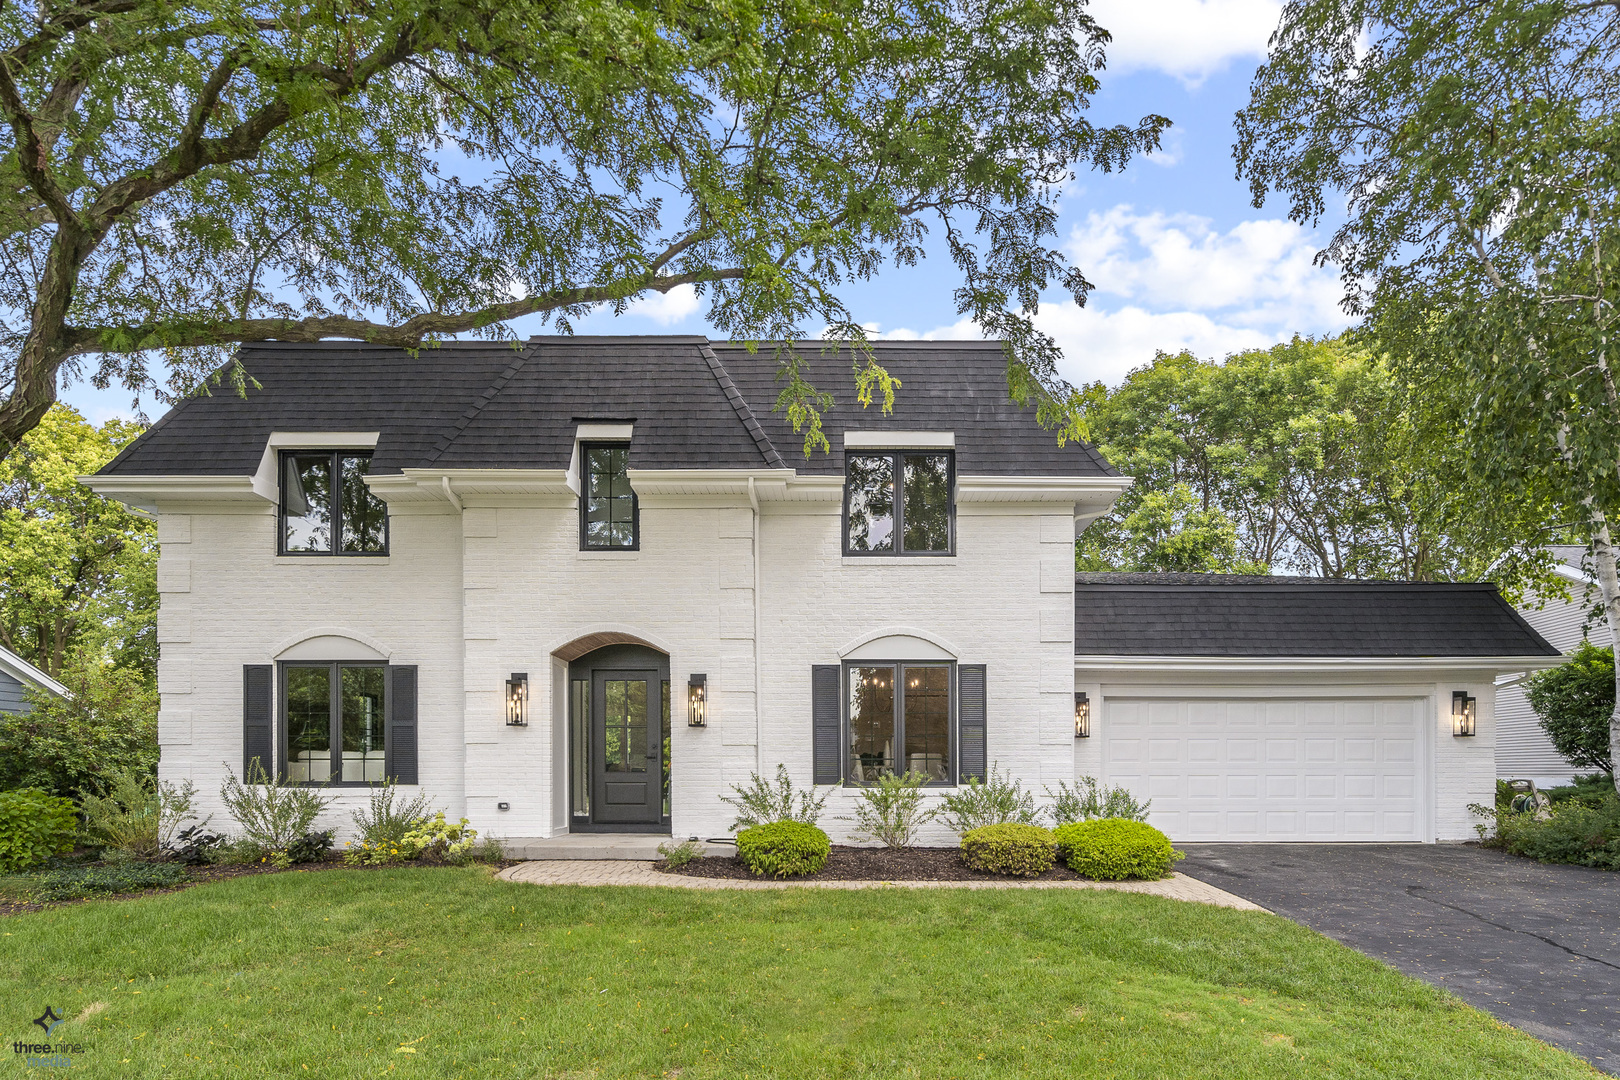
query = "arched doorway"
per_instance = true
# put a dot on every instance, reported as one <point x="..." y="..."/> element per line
<point x="619" y="739"/>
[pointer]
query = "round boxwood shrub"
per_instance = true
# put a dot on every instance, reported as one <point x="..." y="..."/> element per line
<point x="34" y="825"/>
<point x="1018" y="850"/>
<point x="1114" y="849"/>
<point x="783" y="849"/>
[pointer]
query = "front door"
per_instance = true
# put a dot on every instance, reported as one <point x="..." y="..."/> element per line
<point x="626" y="747"/>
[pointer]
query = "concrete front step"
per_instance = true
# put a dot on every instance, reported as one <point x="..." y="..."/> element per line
<point x="636" y="847"/>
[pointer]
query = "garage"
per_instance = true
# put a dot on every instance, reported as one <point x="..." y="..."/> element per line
<point x="1247" y="769"/>
<point x="1277" y="709"/>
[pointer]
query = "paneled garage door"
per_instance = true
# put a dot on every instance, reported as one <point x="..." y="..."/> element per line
<point x="1265" y="769"/>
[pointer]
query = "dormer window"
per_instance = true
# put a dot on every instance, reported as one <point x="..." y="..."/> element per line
<point x="326" y="507"/>
<point x="609" y="518"/>
<point x="899" y="503"/>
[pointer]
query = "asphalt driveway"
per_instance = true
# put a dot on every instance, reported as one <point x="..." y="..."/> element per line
<point x="1538" y="946"/>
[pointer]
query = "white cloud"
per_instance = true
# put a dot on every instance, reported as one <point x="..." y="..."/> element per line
<point x="1257" y="274"/>
<point x="665" y="309"/>
<point x="1187" y="39"/>
<point x="1106" y="345"/>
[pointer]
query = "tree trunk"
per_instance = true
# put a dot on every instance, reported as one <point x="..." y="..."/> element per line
<point x="1603" y="562"/>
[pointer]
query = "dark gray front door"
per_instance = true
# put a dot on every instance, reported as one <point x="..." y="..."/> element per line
<point x="627" y="747"/>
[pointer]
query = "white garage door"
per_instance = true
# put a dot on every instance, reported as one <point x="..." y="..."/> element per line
<point x="1264" y="769"/>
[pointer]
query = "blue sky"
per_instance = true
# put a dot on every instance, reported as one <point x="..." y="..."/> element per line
<point x="1179" y="257"/>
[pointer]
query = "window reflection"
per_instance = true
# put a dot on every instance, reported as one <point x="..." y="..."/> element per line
<point x="610" y="504"/>
<point x="871" y="503"/>
<point x="927" y="502"/>
<point x="309" y="724"/>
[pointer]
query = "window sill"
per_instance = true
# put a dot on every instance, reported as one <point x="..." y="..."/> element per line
<point x="900" y="560"/>
<point x="367" y="559"/>
<point x="609" y="556"/>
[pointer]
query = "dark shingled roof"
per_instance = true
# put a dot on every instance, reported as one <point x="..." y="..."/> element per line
<point x="493" y="405"/>
<point x="1230" y="615"/>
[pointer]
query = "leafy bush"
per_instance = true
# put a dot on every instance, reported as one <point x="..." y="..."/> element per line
<point x="273" y="814"/>
<point x="891" y="811"/>
<point x="1572" y="832"/>
<point x="1114" y="849"/>
<point x="136" y="817"/>
<point x="194" y="846"/>
<point x="1592" y="790"/>
<point x="436" y="840"/>
<point x="1013" y="848"/>
<point x="34" y="825"/>
<point x="783" y="849"/>
<point x="999" y="801"/>
<point x="678" y="855"/>
<point x="1574" y="702"/>
<point x="311" y="847"/>
<point x="387" y="817"/>
<point x="68" y="746"/>
<point x="761" y="803"/>
<point x="1087" y="801"/>
<point x="76" y="882"/>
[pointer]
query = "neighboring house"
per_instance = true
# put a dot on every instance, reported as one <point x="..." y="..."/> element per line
<point x="589" y="584"/>
<point x="16" y="675"/>
<point x="1523" y="750"/>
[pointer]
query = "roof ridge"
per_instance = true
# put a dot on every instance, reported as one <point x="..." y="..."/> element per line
<point x="471" y="413"/>
<point x="767" y="449"/>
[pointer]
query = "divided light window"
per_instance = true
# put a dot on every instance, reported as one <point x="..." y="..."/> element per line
<point x="334" y="716"/>
<point x="326" y="508"/>
<point x="899" y="719"/>
<point x="920" y="521"/>
<point x="608" y="515"/>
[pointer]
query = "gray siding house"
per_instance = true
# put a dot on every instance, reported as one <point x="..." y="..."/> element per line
<point x="16" y="674"/>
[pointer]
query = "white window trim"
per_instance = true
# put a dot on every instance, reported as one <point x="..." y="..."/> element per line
<point x="900" y="440"/>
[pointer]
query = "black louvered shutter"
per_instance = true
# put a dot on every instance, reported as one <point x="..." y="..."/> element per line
<point x="402" y="724"/>
<point x="824" y="717"/>
<point x="970" y="710"/>
<point x="258" y="720"/>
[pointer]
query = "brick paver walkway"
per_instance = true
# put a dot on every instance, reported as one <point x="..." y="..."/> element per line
<point x="616" y="872"/>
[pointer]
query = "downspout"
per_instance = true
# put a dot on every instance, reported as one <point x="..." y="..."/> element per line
<point x="759" y="724"/>
<point x="450" y="493"/>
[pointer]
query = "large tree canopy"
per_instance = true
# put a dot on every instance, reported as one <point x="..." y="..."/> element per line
<point x="186" y="176"/>
<point x="1476" y="148"/>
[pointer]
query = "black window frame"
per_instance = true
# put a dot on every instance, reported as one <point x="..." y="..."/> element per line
<point x="953" y="725"/>
<point x="335" y="509"/>
<point x="585" y="544"/>
<point x="896" y="460"/>
<point x="334" y="720"/>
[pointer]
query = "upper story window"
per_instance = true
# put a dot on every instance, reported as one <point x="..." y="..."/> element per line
<point x="919" y="520"/>
<point x="326" y="508"/>
<point x="609" y="519"/>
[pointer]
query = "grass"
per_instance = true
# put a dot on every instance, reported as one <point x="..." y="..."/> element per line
<point x="449" y="973"/>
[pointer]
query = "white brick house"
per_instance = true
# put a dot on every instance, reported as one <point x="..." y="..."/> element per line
<point x="614" y="519"/>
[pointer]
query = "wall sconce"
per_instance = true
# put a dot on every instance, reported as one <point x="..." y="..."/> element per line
<point x="1462" y="714"/>
<point x="1082" y="715"/>
<point x="697" y="700"/>
<point x="517" y="699"/>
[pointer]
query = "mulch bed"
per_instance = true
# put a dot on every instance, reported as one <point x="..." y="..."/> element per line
<point x="871" y="864"/>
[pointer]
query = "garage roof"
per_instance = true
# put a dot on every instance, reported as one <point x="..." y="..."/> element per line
<point x="1232" y="615"/>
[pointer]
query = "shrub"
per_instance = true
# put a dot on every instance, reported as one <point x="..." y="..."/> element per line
<point x="1087" y="801"/>
<point x="1014" y="848"/>
<point x="1574" y="702"/>
<point x="76" y="882"/>
<point x="891" y="811"/>
<point x="783" y="849"/>
<point x="761" y="803"/>
<point x="1114" y="849"/>
<point x="387" y="816"/>
<point x="274" y="815"/>
<point x="436" y="840"/>
<point x="678" y="855"/>
<point x="311" y="847"/>
<point x="489" y="850"/>
<point x="34" y="825"/>
<point x="1591" y="790"/>
<point x="1572" y="832"/>
<point x="194" y="846"/>
<point x="999" y="801"/>
<point x="68" y="746"/>
<point x="137" y="815"/>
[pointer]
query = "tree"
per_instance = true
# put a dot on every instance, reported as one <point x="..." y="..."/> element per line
<point x="70" y="746"/>
<point x="181" y="178"/>
<point x="1476" y="148"/>
<point x="1315" y="458"/>
<point x="78" y="573"/>
<point x="1574" y="702"/>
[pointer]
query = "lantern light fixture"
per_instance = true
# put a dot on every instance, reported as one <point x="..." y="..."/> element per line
<point x="697" y="700"/>
<point x="1082" y="715"/>
<point x="517" y="699"/>
<point x="1462" y="714"/>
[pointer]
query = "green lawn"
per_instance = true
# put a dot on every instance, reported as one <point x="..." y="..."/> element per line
<point x="440" y="973"/>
